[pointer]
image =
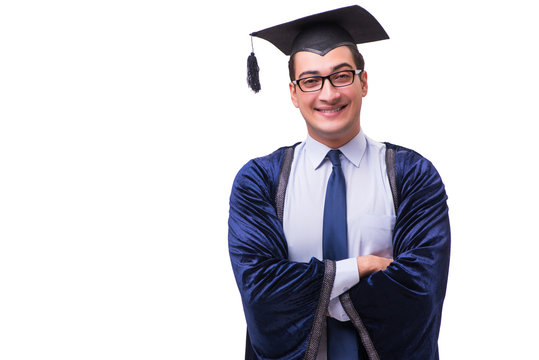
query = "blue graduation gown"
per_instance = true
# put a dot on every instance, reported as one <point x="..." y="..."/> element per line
<point x="396" y="312"/>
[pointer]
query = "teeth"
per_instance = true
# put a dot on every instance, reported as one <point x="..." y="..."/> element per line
<point x="331" y="110"/>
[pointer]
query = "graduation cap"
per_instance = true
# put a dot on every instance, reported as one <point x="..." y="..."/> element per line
<point x="319" y="33"/>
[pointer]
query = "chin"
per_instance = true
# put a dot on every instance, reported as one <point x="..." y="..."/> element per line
<point x="334" y="135"/>
<point x="335" y="128"/>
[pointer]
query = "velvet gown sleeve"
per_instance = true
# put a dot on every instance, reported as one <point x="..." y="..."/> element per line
<point x="401" y="307"/>
<point x="284" y="302"/>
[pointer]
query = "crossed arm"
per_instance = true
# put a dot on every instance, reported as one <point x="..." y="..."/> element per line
<point x="369" y="264"/>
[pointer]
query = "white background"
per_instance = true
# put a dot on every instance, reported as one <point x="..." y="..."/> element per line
<point x="123" y="123"/>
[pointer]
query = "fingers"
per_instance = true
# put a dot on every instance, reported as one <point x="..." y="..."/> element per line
<point x="369" y="264"/>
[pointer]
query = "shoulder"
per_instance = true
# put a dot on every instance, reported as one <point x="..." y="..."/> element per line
<point x="405" y="154"/>
<point x="407" y="159"/>
<point x="413" y="170"/>
<point x="262" y="172"/>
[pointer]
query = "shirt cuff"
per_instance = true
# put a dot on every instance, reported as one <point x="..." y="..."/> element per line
<point x="336" y="310"/>
<point x="346" y="276"/>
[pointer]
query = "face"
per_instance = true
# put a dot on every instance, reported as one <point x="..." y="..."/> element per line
<point x="331" y="114"/>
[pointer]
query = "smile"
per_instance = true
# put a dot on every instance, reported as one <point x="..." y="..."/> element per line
<point x="332" y="110"/>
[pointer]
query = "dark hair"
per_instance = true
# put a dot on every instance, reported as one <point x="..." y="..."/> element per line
<point x="358" y="59"/>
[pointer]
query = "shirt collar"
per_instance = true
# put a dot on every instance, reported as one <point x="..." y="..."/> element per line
<point x="352" y="150"/>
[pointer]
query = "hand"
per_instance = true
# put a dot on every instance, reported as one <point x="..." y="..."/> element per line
<point x="369" y="264"/>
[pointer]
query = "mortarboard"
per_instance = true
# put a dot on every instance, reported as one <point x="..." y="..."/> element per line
<point x="319" y="33"/>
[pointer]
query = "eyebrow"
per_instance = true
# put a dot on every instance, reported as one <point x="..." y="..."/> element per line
<point x="317" y="73"/>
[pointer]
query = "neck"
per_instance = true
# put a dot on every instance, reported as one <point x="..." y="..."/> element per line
<point x="334" y="142"/>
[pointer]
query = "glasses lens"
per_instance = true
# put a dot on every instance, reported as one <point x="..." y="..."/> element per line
<point x="311" y="83"/>
<point x="342" y="78"/>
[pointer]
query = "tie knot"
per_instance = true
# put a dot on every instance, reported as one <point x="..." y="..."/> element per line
<point x="333" y="156"/>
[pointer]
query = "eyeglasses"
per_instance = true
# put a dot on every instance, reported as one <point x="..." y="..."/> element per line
<point x="337" y="79"/>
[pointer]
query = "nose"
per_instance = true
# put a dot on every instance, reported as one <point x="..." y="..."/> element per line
<point x="328" y="93"/>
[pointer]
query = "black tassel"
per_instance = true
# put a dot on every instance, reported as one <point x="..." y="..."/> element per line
<point x="252" y="73"/>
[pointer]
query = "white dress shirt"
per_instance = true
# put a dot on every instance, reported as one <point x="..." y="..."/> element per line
<point x="370" y="209"/>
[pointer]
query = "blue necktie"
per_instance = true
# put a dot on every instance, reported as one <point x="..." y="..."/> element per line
<point x="342" y="339"/>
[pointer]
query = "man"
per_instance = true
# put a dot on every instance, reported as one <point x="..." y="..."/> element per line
<point x="339" y="244"/>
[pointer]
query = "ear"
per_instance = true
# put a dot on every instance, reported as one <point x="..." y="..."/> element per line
<point x="364" y="83"/>
<point x="293" y="94"/>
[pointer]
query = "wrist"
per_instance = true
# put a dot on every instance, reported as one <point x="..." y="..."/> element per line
<point x="369" y="264"/>
<point x="361" y="266"/>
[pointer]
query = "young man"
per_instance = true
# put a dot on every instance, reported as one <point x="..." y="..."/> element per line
<point x="339" y="244"/>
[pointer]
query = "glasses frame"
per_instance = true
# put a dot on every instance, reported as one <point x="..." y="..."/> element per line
<point x="328" y="77"/>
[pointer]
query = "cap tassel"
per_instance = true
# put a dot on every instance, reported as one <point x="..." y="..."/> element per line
<point x="252" y="71"/>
